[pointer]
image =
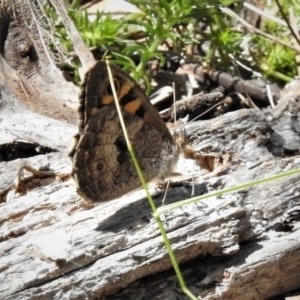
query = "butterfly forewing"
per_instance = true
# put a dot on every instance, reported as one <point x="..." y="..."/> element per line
<point x="103" y="168"/>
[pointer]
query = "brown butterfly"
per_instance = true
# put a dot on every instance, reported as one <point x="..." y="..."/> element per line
<point x="103" y="168"/>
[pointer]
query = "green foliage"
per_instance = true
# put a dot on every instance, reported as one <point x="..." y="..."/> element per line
<point x="177" y="23"/>
<point x="103" y="32"/>
<point x="276" y="61"/>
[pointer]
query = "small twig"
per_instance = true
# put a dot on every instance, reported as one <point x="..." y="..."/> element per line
<point x="50" y="33"/>
<point x="242" y="81"/>
<point x="294" y="25"/>
<point x="263" y="14"/>
<point x="165" y="195"/>
<point x="41" y="36"/>
<point x="257" y="31"/>
<point x="270" y="97"/>
<point x="208" y="110"/>
<point x="294" y="34"/>
<point x="193" y="186"/>
<point x="36" y="173"/>
<point x="80" y="48"/>
<point x="174" y="100"/>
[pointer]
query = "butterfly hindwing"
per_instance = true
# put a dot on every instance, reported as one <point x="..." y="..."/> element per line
<point x="103" y="168"/>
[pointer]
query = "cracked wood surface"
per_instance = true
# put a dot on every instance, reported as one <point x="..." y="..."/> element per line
<point x="56" y="247"/>
<point x="235" y="246"/>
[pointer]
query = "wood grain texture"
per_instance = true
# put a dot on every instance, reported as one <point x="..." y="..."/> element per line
<point x="28" y="64"/>
<point x="236" y="246"/>
<point x="95" y="251"/>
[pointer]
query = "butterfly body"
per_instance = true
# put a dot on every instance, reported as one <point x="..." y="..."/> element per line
<point x="103" y="168"/>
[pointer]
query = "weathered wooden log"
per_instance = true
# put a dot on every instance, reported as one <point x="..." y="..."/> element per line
<point x="54" y="245"/>
<point x="241" y="245"/>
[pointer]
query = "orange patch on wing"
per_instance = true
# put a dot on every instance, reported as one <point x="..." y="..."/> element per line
<point x="107" y="99"/>
<point x="133" y="106"/>
<point x="125" y="89"/>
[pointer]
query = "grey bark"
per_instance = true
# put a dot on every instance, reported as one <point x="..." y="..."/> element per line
<point x="239" y="245"/>
<point x="56" y="247"/>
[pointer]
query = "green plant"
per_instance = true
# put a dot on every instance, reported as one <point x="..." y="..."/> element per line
<point x="180" y="24"/>
<point x="177" y="21"/>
